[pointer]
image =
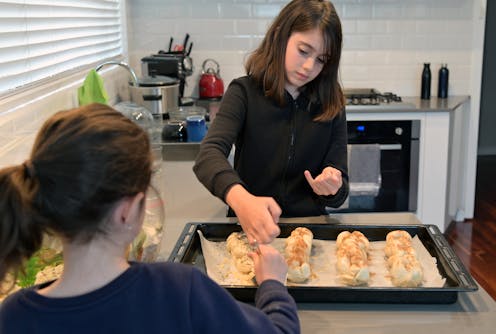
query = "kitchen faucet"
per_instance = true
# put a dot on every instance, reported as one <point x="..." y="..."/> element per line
<point x="123" y="64"/>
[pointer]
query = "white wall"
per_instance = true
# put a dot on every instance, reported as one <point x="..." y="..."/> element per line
<point x="21" y="115"/>
<point x="385" y="41"/>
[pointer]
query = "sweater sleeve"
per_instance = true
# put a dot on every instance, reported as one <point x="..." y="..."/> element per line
<point x="214" y="310"/>
<point x="273" y="298"/>
<point x="212" y="167"/>
<point x="337" y="157"/>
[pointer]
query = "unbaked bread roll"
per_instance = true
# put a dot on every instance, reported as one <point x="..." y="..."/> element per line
<point x="402" y="261"/>
<point x="238" y="246"/>
<point x="297" y="254"/>
<point x="352" y="261"/>
<point x="398" y="242"/>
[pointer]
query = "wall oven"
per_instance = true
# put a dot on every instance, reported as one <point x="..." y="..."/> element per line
<point x="395" y="144"/>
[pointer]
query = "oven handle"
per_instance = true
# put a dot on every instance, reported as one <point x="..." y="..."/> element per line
<point x="390" y="147"/>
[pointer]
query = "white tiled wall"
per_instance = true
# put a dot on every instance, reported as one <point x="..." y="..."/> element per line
<point x="19" y="122"/>
<point x="385" y="41"/>
<point x="385" y="44"/>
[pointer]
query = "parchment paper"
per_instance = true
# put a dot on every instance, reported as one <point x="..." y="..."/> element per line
<point x="221" y="269"/>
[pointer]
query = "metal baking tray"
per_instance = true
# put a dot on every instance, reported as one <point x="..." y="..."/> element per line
<point x="188" y="250"/>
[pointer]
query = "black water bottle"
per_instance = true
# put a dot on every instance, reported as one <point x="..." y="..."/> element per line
<point x="425" y="93"/>
<point x="442" y="88"/>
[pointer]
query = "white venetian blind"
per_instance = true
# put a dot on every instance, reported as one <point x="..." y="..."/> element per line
<point x="41" y="39"/>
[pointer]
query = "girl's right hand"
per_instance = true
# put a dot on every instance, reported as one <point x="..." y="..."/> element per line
<point x="269" y="264"/>
<point x="258" y="216"/>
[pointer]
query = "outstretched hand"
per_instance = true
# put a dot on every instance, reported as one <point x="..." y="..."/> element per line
<point x="327" y="183"/>
<point x="258" y="216"/>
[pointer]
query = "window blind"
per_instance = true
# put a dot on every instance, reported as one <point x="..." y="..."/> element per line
<point x="42" y="39"/>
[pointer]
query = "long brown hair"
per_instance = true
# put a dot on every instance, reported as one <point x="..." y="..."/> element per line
<point x="83" y="161"/>
<point x="266" y="63"/>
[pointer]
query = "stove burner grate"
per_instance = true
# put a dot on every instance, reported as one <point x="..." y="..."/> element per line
<point x="369" y="96"/>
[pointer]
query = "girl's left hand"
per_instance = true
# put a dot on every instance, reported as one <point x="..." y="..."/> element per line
<point x="327" y="183"/>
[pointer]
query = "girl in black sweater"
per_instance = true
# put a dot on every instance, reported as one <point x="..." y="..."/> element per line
<point x="286" y="119"/>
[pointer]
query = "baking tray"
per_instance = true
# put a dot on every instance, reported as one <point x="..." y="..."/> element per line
<point x="188" y="250"/>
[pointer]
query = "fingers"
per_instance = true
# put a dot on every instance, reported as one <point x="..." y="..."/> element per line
<point x="260" y="225"/>
<point x="269" y="264"/>
<point x="263" y="233"/>
<point x="327" y="183"/>
<point x="309" y="178"/>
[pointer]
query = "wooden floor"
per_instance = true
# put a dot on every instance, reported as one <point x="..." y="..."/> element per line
<point x="474" y="240"/>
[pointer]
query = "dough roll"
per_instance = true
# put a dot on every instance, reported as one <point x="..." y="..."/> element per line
<point x="238" y="246"/>
<point x="352" y="261"/>
<point x="297" y="253"/>
<point x="402" y="261"/>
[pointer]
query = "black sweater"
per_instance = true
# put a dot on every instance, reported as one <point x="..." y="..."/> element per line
<point x="274" y="146"/>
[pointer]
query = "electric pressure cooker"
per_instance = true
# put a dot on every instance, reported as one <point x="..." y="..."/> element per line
<point x="159" y="94"/>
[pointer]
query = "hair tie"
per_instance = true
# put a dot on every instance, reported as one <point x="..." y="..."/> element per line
<point x="29" y="168"/>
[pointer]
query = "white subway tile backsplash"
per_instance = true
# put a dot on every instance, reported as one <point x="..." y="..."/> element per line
<point x="401" y="57"/>
<point x="204" y="10"/>
<point x="371" y="26"/>
<point x="236" y="42"/>
<point x="348" y="57"/>
<point x="348" y="26"/>
<point x="387" y="11"/>
<point x="251" y="27"/>
<point x="206" y="26"/>
<point x="455" y="9"/>
<point x="374" y="57"/>
<point x="357" y="42"/>
<point x="385" y="43"/>
<point x="266" y="11"/>
<point x="394" y="34"/>
<point x="399" y="27"/>
<point x="416" y="42"/>
<point x="235" y="10"/>
<point x="419" y="11"/>
<point x="357" y="11"/>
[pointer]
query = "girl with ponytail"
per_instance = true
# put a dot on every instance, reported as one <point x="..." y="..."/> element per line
<point x="85" y="182"/>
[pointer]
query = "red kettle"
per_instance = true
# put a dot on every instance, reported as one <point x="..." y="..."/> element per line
<point x="211" y="85"/>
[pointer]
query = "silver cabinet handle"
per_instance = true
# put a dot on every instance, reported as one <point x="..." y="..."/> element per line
<point x="390" y="147"/>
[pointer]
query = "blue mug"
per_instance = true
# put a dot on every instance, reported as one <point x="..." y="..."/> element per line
<point x="196" y="128"/>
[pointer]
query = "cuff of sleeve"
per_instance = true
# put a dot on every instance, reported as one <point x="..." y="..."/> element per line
<point x="223" y="182"/>
<point x="271" y="287"/>
<point x="338" y="199"/>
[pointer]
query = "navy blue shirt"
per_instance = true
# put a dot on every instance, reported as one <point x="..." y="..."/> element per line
<point x="152" y="298"/>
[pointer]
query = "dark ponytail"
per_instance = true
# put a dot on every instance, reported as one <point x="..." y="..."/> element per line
<point x="83" y="161"/>
<point x="20" y="228"/>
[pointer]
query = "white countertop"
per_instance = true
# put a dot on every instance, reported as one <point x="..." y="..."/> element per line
<point x="186" y="200"/>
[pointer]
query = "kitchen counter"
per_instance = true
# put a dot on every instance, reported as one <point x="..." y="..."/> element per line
<point x="413" y="104"/>
<point x="186" y="200"/>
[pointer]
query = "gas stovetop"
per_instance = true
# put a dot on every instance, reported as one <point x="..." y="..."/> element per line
<point x="369" y="97"/>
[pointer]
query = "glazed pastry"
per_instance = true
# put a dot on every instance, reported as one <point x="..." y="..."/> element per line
<point x="297" y="253"/>
<point x="404" y="268"/>
<point x="238" y="246"/>
<point x="351" y="254"/>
